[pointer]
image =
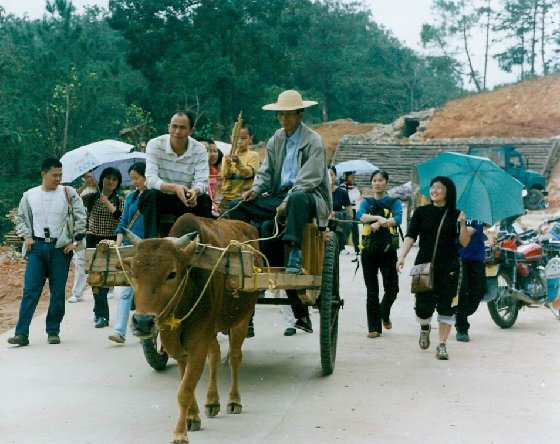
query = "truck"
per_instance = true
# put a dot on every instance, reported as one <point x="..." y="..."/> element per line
<point x="510" y="159"/>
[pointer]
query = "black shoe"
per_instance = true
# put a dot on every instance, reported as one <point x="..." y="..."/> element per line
<point x="101" y="322"/>
<point x="304" y="324"/>
<point x="462" y="337"/>
<point x="250" y="332"/>
<point x="53" y="339"/>
<point x="290" y="331"/>
<point x="20" y="340"/>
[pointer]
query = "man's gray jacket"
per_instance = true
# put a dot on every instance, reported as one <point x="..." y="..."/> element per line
<point x="312" y="176"/>
<point x="24" y="219"/>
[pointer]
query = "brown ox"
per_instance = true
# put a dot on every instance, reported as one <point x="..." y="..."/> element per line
<point x="157" y="270"/>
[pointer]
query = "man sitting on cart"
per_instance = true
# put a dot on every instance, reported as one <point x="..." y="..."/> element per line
<point x="292" y="183"/>
<point x="176" y="175"/>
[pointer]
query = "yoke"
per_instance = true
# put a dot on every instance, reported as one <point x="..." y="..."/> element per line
<point x="104" y="268"/>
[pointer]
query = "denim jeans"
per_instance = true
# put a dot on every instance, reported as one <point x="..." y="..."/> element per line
<point x="123" y="311"/>
<point x="44" y="261"/>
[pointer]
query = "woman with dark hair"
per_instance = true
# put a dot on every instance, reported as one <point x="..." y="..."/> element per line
<point x="425" y="224"/>
<point x="104" y="213"/>
<point x="381" y="216"/>
<point x="131" y="220"/>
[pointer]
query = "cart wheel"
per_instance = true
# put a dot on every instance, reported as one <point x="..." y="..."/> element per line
<point x="156" y="357"/>
<point x="329" y="305"/>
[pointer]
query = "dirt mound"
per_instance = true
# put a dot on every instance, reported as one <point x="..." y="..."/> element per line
<point x="525" y="109"/>
<point x="333" y="131"/>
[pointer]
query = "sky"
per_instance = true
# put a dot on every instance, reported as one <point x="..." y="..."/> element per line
<point x="404" y="18"/>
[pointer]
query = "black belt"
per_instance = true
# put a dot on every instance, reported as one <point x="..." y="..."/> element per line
<point x="49" y="240"/>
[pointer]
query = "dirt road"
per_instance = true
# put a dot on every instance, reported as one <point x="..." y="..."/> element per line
<point x="502" y="387"/>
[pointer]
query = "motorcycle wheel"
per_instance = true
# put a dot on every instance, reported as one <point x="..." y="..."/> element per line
<point x="503" y="308"/>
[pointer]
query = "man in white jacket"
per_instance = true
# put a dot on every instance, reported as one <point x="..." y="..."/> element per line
<point x="49" y="240"/>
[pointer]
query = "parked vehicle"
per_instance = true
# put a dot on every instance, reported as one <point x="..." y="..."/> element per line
<point x="511" y="160"/>
<point x="521" y="269"/>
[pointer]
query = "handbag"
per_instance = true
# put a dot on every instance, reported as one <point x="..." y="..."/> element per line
<point x="423" y="274"/>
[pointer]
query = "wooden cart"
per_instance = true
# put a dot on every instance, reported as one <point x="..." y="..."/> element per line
<point x="318" y="286"/>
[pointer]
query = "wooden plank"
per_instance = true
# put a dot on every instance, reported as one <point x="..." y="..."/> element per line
<point x="281" y="280"/>
<point x="205" y="257"/>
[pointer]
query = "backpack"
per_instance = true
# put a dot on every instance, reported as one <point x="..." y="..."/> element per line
<point x="386" y="237"/>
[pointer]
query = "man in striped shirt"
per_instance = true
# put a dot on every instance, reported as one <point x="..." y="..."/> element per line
<point x="176" y="175"/>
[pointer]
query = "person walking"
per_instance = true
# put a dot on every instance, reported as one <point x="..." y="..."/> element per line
<point x="382" y="216"/>
<point x="342" y="210"/>
<point x="472" y="284"/>
<point x="441" y="216"/>
<point x="104" y="208"/>
<point x="133" y="221"/>
<point x="80" y="279"/>
<point x="49" y="240"/>
<point x="354" y="195"/>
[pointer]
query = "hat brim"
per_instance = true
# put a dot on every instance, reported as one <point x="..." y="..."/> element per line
<point x="281" y="107"/>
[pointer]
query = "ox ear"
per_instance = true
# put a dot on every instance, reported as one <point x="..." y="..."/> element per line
<point x="183" y="240"/>
<point x="134" y="240"/>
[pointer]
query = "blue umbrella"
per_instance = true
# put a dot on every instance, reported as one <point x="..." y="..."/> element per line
<point x="356" y="166"/>
<point x="124" y="162"/>
<point x="484" y="191"/>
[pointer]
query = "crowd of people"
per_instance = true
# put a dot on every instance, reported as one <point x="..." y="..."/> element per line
<point x="292" y="187"/>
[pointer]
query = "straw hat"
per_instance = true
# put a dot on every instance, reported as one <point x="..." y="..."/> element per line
<point x="289" y="100"/>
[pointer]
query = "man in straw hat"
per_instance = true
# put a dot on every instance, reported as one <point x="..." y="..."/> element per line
<point x="292" y="183"/>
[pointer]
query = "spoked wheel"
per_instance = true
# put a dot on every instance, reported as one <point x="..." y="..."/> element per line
<point x="503" y="308"/>
<point x="329" y="306"/>
<point x="155" y="354"/>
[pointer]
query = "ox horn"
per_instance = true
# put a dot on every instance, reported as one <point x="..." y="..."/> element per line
<point x="134" y="240"/>
<point x="184" y="239"/>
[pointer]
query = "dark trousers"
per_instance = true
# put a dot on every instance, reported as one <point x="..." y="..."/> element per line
<point x="100" y="304"/>
<point x="300" y="209"/>
<point x="371" y="264"/>
<point x="446" y="280"/>
<point x="274" y="251"/>
<point x="154" y="203"/>
<point x="355" y="234"/>
<point x="472" y="288"/>
<point x="44" y="261"/>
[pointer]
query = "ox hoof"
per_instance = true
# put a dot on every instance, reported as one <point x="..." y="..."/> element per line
<point x="234" y="407"/>
<point x="193" y="425"/>
<point x="212" y="410"/>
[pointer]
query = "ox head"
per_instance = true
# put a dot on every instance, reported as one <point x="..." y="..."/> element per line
<point x="157" y="270"/>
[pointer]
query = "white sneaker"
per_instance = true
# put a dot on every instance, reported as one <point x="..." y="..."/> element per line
<point x="74" y="299"/>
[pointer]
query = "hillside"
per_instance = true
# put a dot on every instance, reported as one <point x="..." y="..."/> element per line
<point x="523" y="110"/>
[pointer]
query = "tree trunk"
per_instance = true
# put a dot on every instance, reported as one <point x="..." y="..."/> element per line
<point x="534" y="36"/>
<point x="486" y="46"/>
<point x="66" y="119"/>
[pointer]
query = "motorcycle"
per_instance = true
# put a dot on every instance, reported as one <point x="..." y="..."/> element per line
<point x="521" y="270"/>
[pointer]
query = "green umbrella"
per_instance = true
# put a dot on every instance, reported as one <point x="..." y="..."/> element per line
<point x="485" y="192"/>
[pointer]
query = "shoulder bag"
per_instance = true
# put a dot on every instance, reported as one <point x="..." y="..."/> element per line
<point x="423" y="274"/>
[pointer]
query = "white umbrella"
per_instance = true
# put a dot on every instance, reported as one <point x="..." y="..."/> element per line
<point x="224" y="147"/>
<point x="356" y="166"/>
<point x="87" y="157"/>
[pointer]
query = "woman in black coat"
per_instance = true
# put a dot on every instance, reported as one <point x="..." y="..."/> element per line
<point x="424" y="224"/>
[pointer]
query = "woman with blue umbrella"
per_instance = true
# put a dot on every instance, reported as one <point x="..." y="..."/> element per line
<point x="440" y="221"/>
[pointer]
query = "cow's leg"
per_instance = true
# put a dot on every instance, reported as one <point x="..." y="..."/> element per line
<point x="236" y="337"/>
<point x="191" y="369"/>
<point x="212" y="407"/>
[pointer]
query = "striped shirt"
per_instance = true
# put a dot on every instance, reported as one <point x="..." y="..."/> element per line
<point x="163" y="165"/>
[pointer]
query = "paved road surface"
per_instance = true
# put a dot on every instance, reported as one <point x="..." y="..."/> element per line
<point x="502" y="387"/>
